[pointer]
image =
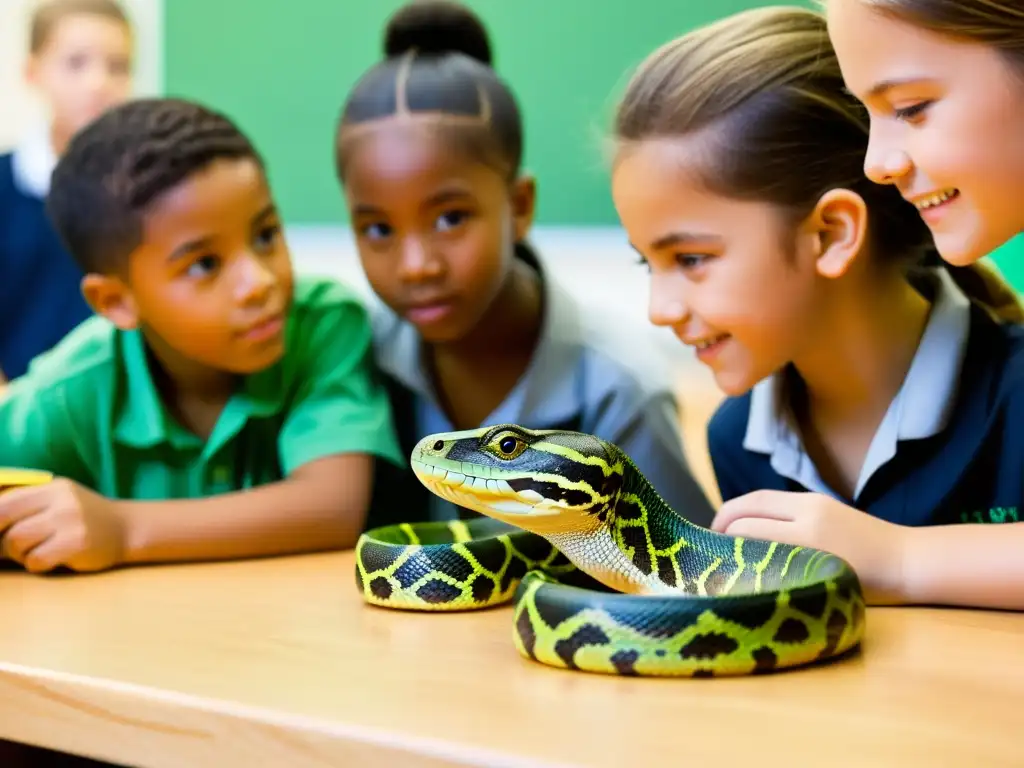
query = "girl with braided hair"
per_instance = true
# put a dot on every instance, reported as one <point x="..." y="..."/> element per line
<point x="471" y="329"/>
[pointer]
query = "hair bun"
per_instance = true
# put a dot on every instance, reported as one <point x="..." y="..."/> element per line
<point x="437" y="26"/>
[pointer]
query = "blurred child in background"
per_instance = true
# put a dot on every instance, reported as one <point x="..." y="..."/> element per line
<point x="80" y="63"/>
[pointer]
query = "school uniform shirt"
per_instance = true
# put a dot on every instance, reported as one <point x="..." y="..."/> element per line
<point x="40" y="293"/>
<point x="89" y="410"/>
<point x="949" y="449"/>
<point x="588" y="374"/>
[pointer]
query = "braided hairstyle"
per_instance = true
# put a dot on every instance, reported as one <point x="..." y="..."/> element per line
<point x="119" y="164"/>
<point x="437" y="67"/>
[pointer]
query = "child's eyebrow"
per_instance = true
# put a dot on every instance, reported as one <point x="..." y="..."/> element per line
<point x="446" y="196"/>
<point x="191" y="246"/>
<point x="270" y="210"/>
<point x="883" y="87"/>
<point x="202" y="243"/>
<point x="675" y="239"/>
<point x="366" y="210"/>
<point x="440" y="197"/>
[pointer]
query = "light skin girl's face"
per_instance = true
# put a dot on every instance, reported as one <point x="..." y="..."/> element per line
<point x="733" y="279"/>
<point x="946" y="119"/>
<point x="83" y="68"/>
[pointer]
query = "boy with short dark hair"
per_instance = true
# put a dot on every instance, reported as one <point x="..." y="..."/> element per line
<point x="217" y="406"/>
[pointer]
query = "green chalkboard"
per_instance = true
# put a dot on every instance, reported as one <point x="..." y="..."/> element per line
<point x="282" y="69"/>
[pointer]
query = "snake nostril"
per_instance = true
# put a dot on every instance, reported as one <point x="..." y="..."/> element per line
<point x="438" y="445"/>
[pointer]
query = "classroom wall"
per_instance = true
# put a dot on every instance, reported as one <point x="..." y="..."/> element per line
<point x="283" y="76"/>
<point x="18" y="106"/>
<point x="286" y="76"/>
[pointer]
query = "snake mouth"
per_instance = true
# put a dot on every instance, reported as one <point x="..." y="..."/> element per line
<point x="491" y="496"/>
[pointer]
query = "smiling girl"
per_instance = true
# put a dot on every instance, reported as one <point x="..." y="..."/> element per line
<point x="943" y="84"/>
<point x="871" y="404"/>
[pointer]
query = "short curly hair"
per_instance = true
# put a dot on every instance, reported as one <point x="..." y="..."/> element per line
<point x="116" y="166"/>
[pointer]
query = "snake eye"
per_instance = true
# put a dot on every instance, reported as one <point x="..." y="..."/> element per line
<point x="438" y="445"/>
<point x="506" y="445"/>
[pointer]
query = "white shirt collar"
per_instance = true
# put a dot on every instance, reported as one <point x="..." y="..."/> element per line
<point x="33" y="161"/>
<point x="921" y="408"/>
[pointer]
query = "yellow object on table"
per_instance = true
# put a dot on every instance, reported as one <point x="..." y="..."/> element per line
<point x="15" y="477"/>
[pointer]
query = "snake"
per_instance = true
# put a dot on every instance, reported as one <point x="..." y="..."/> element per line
<point x="602" y="574"/>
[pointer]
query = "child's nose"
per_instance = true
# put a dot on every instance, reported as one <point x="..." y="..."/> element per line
<point x="666" y="306"/>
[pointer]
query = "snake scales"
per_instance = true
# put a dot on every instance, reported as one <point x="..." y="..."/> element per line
<point x="604" y="576"/>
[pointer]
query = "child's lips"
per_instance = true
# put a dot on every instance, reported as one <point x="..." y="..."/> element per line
<point x="934" y="204"/>
<point x="708" y="347"/>
<point x="428" y="312"/>
<point x="265" y="329"/>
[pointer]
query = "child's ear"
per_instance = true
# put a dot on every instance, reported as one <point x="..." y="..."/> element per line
<point x="524" y="202"/>
<point x="109" y="296"/>
<point x="837" y="226"/>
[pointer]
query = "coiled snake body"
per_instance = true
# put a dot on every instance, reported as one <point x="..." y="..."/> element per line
<point x="604" y="575"/>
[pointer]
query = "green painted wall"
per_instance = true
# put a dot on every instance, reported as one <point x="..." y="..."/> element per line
<point x="282" y="69"/>
<point x="1010" y="259"/>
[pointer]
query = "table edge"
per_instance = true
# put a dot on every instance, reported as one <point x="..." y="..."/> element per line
<point x="120" y="721"/>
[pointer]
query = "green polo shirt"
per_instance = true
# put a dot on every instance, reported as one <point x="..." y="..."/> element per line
<point x="88" y="409"/>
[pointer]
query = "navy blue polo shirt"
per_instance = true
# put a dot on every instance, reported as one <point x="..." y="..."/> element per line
<point x="950" y="449"/>
<point x="40" y="293"/>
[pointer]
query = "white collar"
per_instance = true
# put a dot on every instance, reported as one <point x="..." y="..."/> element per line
<point x="33" y="161"/>
<point x="921" y="408"/>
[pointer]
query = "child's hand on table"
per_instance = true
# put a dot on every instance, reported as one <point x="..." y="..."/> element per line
<point x="60" y="523"/>
<point x="873" y="547"/>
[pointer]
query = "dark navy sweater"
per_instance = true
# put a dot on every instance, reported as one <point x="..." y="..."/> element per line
<point x="971" y="471"/>
<point x="40" y="293"/>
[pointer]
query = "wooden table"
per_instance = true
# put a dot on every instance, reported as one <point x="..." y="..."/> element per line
<point x="279" y="663"/>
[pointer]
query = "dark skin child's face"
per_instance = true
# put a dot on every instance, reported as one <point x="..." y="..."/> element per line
<point x="434" y="227"/>
<point x="211" y="283"/>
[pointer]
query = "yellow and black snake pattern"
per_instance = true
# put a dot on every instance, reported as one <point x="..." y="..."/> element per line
<point x="603" y="574"/>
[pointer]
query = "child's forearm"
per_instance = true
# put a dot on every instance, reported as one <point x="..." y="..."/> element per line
<point x="979" y="566"/>
<point x="321" y="506"/>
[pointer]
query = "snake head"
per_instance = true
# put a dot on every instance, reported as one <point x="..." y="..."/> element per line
<point x="545" y="481"/>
